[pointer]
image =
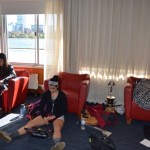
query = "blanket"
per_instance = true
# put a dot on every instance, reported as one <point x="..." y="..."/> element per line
<point x="141" y="93"/>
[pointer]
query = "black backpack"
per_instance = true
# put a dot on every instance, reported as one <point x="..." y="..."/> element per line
<point x="98" y="142"/>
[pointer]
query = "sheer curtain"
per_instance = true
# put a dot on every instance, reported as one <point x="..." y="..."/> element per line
<point x="110" y="40"/>
<point x="54" y="37"/>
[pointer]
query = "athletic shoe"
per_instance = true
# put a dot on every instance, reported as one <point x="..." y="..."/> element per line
<point x="59" y="146"/>
<point x="5" y="137"/>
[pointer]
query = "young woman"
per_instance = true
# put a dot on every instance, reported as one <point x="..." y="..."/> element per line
<point x="7" y="72"/>
<point x="53" y="108"/>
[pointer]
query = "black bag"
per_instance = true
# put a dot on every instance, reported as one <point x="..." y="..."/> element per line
<point x="98" y="142"/>
<point x="38" y="133"/>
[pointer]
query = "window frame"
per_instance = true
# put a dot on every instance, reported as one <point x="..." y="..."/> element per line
<point x="4" y="41"/>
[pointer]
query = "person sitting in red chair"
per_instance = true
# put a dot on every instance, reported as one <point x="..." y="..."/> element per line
<point x="7" y="72"/>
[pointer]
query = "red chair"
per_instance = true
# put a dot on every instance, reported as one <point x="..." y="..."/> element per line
<point x="16" y="92"/>
<point x="132" y="110"/>
<point x="76" y="88"/>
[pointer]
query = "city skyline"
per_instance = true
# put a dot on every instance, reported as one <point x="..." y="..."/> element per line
<point x="29" y="20"/>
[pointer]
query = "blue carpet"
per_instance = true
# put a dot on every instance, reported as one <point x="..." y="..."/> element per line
<point x="126" y="137"/>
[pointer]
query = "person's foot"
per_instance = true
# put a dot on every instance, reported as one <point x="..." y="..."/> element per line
<point x="5" y="137"/>
<point x="58" y="146"/>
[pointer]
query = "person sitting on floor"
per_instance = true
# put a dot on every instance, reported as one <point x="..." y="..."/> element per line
<point x="7" y="72"/>
<point x="56" y="105"/>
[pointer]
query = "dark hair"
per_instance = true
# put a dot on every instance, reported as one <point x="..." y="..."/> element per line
<point x="3" y="56"/>
<point x="54" y="80"/>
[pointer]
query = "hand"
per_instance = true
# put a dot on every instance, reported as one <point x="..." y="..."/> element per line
<point x="46" y="120"/>
<point x="1" y="82"/>
<point x="51" y="118"/>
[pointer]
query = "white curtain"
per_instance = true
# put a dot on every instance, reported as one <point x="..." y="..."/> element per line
<point x="110" y="40"/>
<point x="54" y="37"/>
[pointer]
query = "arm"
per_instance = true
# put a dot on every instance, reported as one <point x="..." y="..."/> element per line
<point x="10" y="74"/>
<point x="61" y="107"/>
<point x="42" y="104"/>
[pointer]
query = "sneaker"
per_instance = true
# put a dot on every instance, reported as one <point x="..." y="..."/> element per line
<point x="59" y="146"/>
<point x="5" y="137"/>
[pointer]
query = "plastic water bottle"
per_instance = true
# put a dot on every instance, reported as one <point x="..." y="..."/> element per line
<point x="22" y="110"/>
<point x="82" y="124"/>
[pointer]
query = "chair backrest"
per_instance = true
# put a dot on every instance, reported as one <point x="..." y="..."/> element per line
<point x="22" y="72"/>
<point x="72" y="81"/>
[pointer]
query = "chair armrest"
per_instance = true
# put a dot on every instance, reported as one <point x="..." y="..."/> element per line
<point x="128" y="92"/>
<point x="46" y="84"/>
<point x="4" y="99"/>
<point x="132" y="79"/>
<point x="16" y="92"/>
<point x="83" y="94"/>
<point x="86" y="82"/>
<point x="10" y="94"/>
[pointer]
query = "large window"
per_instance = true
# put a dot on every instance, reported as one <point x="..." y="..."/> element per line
<point x="25" y="38"/>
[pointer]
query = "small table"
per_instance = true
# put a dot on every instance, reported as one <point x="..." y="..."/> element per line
<point x="110" y="109"/>
<point x="110" y="104"/>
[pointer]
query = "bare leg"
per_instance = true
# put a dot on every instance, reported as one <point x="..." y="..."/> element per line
<point x="57" y="125"/>
<point x="36" y="122"/>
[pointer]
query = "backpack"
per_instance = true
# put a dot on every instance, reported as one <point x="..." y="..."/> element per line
<point x="101" y="143"/>
<point x="33" y="109"/>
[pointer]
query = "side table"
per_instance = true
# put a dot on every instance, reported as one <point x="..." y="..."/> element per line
<point x="110" y="104"/>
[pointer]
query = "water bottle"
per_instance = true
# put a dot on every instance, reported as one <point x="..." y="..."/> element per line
<point x="22" y="110"/>
<point x="82" y="124"/>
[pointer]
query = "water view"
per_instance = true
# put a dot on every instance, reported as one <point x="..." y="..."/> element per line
<point x="24" y="50"/>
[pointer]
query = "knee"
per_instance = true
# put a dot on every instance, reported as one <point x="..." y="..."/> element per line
<point x="57" y="128"/>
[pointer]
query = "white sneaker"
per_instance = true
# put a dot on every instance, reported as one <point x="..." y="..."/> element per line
<point x="59" y="146"/>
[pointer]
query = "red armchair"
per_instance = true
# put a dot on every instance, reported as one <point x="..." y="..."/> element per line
<point x="16" y="92"/>
<point x="132" y="110"/>
<point x="76" y="88"/>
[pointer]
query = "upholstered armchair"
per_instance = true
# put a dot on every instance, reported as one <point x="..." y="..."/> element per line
<point x="16" y="92"/>
<point x="76" y="88"/>
<point x="132" y="110"/>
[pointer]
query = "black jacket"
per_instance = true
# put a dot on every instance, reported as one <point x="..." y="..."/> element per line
<point x="57" y="107"/>
<point x="7" y="73"/>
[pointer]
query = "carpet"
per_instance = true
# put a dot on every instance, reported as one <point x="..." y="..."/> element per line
<point x="147" y="132"/>
<point x="126" y="137"/>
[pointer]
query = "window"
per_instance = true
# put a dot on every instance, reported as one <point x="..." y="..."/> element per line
<point x="25" y="38"/>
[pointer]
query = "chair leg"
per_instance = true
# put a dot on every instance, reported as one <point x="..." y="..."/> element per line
<point x="129" y="121"/>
